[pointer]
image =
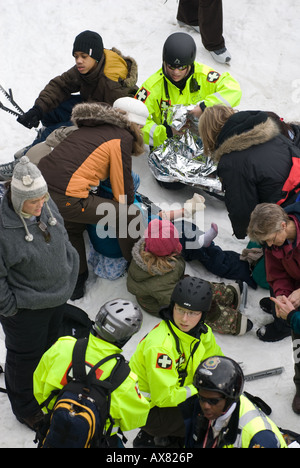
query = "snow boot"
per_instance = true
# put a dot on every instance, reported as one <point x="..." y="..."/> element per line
<point x="221" y="55"/>
<point x="143" y="440"/>
<point x="21" y="152"/>
<point x="185" y="25"/>
<point x="6" y="170"/>
<point x="273" y="332"/>
<point x="267" y="305"/>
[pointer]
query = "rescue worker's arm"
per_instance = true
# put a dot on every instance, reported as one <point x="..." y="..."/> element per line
<point x="225" y="90"/>
<point x="128" y="407"/>
<point x="154" y="134"/>
<point x="162" y="377"/>
<point x="49" y="373"/>
<point x="154" y="131"/>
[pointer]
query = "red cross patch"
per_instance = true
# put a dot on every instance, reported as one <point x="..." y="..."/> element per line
<point x="213" y="76"/>
<point x="142" y="94"/>
<point x="68" y="375"/>
<point x="165" y="104"/>
<point x="163" y="361"/>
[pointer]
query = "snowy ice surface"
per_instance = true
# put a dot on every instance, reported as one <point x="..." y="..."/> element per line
<point x="36" y="41"/>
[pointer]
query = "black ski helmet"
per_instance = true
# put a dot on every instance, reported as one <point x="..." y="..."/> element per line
<point x="193" y="293"/>
<point x="179" y="49"/>
<point x="220" y="374"/>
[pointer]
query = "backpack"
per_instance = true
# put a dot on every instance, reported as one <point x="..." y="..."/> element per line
<point x="82" y="407"/>
<point x="75" y="322"/>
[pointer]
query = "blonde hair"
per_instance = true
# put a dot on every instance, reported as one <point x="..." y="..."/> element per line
<point x="154" y="262"/>
<point x="265" y="219"/>
<point x="211" y="123"/>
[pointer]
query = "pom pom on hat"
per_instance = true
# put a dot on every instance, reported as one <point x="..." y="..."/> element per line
<point x="90" y="43"/>
<point x="162" y="238"/>
<point x="27" y="184"/>
<point x="136" y="110"/>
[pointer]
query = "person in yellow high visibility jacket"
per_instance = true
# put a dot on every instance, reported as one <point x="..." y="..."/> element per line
<point x="226" y="417"/>
<point x="166" y="359"/>
<point x="182" y="80"/>
<point x="114" y="325"/>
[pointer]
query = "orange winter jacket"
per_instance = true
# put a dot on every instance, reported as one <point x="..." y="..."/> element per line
<point x="100" y="148"/>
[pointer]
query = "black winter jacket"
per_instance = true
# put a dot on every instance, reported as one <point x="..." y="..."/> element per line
<point x="254" y="160"/>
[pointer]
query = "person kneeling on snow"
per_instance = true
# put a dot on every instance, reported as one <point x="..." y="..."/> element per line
<point x="225" y="417"/>
<point x="74" y="169"/>
<point x="116" y="322"/>
<point x="183" y="81"/>
<point x="166" y="360"/>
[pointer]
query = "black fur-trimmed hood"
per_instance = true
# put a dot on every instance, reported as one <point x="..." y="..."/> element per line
<point x="243" y="130"/>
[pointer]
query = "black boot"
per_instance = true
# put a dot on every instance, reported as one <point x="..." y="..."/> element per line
<point x="274" y="331"/>
<point x="143" y="440"/>
<point x="267" y="305"/>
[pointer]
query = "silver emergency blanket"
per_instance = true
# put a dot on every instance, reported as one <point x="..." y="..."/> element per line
<point x="181" y="158"/>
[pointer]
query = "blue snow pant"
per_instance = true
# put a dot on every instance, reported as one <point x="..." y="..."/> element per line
<point x="224" y="263"/>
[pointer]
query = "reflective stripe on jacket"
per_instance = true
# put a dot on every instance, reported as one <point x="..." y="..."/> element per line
<point x="252" y="421"/>
<point x="205" y="84"/>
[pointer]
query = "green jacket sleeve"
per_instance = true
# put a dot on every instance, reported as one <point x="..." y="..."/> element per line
<point x="51" y="368"/>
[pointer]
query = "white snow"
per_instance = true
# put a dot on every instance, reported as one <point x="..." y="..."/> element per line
<point x="36" y="41"/>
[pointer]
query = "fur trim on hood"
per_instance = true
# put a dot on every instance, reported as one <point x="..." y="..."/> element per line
<point x="257" y="135"/>
<point x="93" y="114"/>
<point x="136" y="255"/>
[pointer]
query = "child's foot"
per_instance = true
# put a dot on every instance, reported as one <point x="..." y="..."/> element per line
<point x="210" y="235"/>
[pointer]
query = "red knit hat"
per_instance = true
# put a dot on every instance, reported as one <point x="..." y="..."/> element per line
<point x="162" y="238"/>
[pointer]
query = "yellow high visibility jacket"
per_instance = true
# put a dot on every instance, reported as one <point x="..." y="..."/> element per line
<point x="205" y="86"/>
<point x="129" y="408"/>
<point x="159" y="364"/>
<point x="252" y="421"/>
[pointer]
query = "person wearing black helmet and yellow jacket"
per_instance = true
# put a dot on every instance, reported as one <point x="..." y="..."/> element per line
<point x="165" y="362"/>
<point x="227" y="417"/>
<point x="183" y="81"/>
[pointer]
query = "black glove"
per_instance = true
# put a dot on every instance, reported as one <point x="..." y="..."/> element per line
<point x="31" y="118"/>
<point x="168" y="129"/>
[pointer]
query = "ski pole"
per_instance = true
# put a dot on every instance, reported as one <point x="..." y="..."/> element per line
<point x="263" y="374"/>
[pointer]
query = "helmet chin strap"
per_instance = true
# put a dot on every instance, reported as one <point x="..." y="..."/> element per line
<point x="225" y="414"/>
<point x="229" y="403"/>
